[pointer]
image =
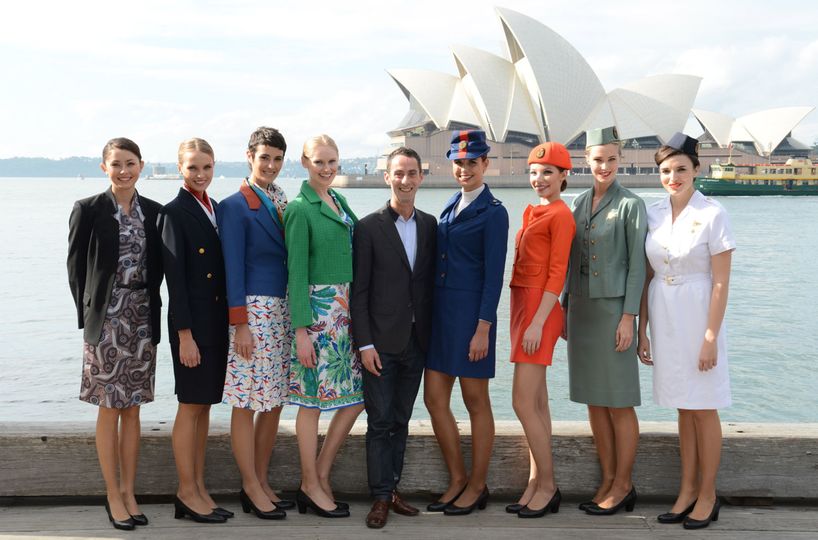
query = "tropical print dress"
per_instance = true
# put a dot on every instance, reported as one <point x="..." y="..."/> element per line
<point x="337" y="379"/>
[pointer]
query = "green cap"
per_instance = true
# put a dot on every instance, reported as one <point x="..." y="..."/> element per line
<point x="600" y="136"/>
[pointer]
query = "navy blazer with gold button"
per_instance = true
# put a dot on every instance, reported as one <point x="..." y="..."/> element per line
<point x="194" y="271"/>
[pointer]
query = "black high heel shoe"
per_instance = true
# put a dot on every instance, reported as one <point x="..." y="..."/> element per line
<point x="248" y="506"/>
<point x="480" y="503"/>
<point x="690" y="523"/>
<point x="140" y="519"/>
<point x="303" y="502"/>
<point x="284" y="504"/>
<point x="514" y="508"/>
<point x="224" y="512"/>
<point x="585" y="504"/>
<point x="673" y="517"/>
<point x="628" y="502"/>
<point x="181" y="510"/>
<point x="121" y="524"/>
<point x="439" y="506"/>
<point x="553" y="505"/>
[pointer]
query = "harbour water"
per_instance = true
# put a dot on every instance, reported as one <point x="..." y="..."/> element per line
<point x="771" y="318"/>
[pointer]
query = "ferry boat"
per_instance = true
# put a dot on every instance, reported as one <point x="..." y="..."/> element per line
<point x="798" y="176"/>
<point x="160" y="172"/>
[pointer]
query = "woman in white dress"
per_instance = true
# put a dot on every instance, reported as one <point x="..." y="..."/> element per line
<point x="689" y="247"/>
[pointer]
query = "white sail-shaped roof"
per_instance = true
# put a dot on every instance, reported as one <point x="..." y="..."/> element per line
<point x="566" y="87"/>
<point x="765" y="129"/>
<point x="440" y="95"/>
<point x="717" y="124"/>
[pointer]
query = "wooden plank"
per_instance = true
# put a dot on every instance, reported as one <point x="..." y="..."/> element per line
<point x="758" y="460"/>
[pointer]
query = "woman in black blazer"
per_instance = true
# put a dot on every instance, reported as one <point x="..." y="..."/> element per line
<point x="115" y="270"/>
<point x="197" y="323"/>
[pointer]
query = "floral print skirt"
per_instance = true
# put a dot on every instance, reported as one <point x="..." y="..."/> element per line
<point x="336" y="381"/>
<point x="260" y="383"/>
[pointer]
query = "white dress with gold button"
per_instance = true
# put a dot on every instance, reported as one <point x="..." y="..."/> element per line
<point x="679" y="300"/>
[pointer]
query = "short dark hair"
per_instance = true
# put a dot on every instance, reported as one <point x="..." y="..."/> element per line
<point x="403" y="151"/>
<point x="666" y="152"/>
<point x="121" y="143"/>
<point x="266" y="136"/>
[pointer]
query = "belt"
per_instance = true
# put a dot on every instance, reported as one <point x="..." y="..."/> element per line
<point x="683" y="278"/>
<point x="131" y="286"/>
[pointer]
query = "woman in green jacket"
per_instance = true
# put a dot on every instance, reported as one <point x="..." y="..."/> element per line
<point x="605" y="279"/>
<point x="327" y="375"/>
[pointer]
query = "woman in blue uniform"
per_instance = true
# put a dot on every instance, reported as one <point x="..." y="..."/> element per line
<point x="471" y="251"/>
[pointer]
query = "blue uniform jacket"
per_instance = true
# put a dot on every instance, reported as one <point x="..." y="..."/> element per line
<point x="471" y="250"/>
<point x="255" y="257"/>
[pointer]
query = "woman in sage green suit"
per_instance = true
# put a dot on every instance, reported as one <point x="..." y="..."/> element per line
<point x="605" y="279"/>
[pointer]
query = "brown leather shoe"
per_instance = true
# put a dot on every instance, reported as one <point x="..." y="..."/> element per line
<point x="376" y="518"/>
<point x="400" y="506"/>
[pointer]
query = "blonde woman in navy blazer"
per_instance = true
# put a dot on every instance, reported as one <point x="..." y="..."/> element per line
<point x="197" y="324"/>
<point x="258" y="365"/>
<point x="472" y="238"/>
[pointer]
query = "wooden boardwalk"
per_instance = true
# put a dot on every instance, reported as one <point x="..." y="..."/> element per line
<point x="21" y="521"/>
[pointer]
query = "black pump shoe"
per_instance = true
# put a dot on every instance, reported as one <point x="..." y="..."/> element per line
<point x="284" y="504"/>
<point x="121" y="524"/>
<point x="514" y="508"/>
<point x="140" y="519"/>
<point x="454" y="510"/>
<point x="181" y="510"/>
<point x="224" y="512"/>
<point x="690" y="523"/>
<point x="585" y="504"/>
<point x="439" y="506"/>
<point x="673" y="517"/>
<point x="248" y="506"/>
<point x="553" y="505"/>
<point x="304" y="502"/>
<point x="628" y="502"/>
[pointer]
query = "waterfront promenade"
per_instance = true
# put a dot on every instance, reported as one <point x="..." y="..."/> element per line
<point x="88" y="521"/>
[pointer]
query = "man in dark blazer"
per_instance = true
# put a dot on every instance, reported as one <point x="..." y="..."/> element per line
<point x="391" y="308"/>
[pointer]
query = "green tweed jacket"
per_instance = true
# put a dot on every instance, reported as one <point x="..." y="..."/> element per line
<point x="319" y="249"/>
<point x="612" y="242"/>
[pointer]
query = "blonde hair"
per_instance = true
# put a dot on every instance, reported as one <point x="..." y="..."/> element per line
<point x="319" y="140"/>
<point x="195" y="143"/>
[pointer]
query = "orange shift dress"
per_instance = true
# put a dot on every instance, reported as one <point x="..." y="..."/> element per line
<point x="541" y="251"/>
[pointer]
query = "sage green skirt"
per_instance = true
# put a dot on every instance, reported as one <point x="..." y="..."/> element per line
<point x="598" y="375"/>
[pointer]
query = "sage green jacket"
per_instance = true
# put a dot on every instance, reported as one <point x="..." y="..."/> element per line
<point x="319" y="249"/>
<point x="613" y="240"/>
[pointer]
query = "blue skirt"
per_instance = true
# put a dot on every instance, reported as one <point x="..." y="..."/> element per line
<point x="454" y="321"/>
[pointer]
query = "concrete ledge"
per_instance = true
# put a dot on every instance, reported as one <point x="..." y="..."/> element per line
<point x="777" y="461"/>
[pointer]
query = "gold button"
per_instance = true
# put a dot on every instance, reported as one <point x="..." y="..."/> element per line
<point x="209" y="275"/>
<point x="217" y="299"/>
<point x="666" y="261"/>
<point x="443" y="274"/>
<point x="593" y="226"/>
<point x="593" y="242"/>
<point x="593" y="257"/>
<point x="201" y="251"/>
<point x="596" y="273"/>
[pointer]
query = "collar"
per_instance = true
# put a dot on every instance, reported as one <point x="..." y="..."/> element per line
<point x="249" y="195"/>
<point x="203" y="198"/>
<point x="471" y="196"/>
<point x="395" y="216"/>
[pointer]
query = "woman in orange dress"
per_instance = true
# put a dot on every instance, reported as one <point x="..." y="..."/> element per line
<point x="542" y="247"/>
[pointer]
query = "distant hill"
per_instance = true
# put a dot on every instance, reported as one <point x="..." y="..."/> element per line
<point x="89" y="167"/>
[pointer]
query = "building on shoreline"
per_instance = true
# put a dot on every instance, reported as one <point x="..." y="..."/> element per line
<point x="544" y="90"/>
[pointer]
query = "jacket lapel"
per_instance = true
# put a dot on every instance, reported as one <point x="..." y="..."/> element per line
<point x="477" y="206"/>
<point x="392" y="236"/>
<point x="263" y="217"/>
<point x="192" y="207"/>
<point x="606" y="199"/>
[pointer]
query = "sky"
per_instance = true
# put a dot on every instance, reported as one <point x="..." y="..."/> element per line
<point x="75" y="74"/>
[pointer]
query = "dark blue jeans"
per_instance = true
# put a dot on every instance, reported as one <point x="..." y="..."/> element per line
<point x="389" y="400"/>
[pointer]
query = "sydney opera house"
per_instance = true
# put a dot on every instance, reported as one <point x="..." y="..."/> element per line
<point x="544" y="90"/>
